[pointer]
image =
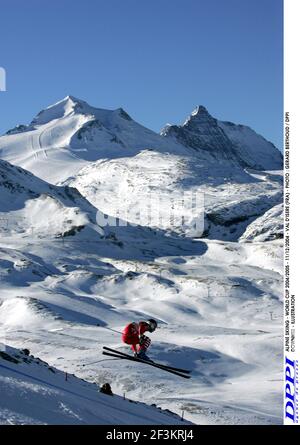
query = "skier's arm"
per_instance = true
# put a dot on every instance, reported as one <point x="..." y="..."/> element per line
<point x="142" y="328"/>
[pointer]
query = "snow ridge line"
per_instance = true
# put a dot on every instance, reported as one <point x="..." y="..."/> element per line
<point x="46" y="383"/>
<point x="70" y="392"/>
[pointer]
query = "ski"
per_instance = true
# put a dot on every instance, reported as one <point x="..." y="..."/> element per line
<point x="185" y="371"/>
<point x="134" y="359"/>
<point x="154" y="364"/>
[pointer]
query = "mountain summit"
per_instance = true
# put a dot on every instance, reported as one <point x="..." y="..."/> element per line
<point x="60" y="109"/>
<point x="200" y="112"/>
<point x="225" y="140"/>
<point x="201" y="132"/>
<point x="71" y="105"/>
<point x="65" y="136"/>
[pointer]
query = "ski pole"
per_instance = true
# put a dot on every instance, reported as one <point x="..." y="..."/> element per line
<point x="98" y="361"/>
<point x="111" y="329"/>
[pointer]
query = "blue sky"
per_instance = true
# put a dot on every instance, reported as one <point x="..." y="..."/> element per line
<point x="157" y="59"/>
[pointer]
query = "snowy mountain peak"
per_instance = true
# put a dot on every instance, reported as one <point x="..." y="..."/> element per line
<point x="208" y="136"/>
<point x="201" y="133"/>
<point x="200" y="110"/>
<point x="71" y="132"/>
<point x="123" y="114"/>
<point x="71" y="105"/>
<point x="58" y="110"/>
<point x="199" y="116"/>
<point x="72" y="99"/>
<point x="66" y="135"/>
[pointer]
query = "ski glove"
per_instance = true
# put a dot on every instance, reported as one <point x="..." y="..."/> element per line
<point x="145" y="341"/>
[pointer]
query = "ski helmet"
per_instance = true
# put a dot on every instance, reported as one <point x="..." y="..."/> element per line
<point x="152" y="324"/>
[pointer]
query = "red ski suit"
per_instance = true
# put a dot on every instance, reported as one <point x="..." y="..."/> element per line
<point x="131" y="335"/>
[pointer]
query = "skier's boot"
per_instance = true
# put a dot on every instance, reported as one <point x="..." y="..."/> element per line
<point x="142" y="355"/>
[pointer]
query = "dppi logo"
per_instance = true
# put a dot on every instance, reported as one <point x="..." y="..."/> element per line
<point x="2" y="79"/>
<point x="290" y="389"/>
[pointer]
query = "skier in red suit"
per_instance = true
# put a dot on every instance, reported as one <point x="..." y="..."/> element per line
<point x="133" y="334"/>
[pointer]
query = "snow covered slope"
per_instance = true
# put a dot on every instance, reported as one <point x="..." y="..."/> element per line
<point x="266" y="228"/>
<point x="117" y="163"/>
<point x="69" y="283"/>
<point x="219" y="312"/>
<point x="69" y="134"/>
<point x="31" y="210"/>
<point x="32" y="392"/>
<point x="232" y="198"/>
<point x="30" y="205"/>
<point x="219" y="304"/>
<point x="254" y="150"/>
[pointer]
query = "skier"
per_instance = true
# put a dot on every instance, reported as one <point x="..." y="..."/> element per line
<point x="133" y="334"/>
